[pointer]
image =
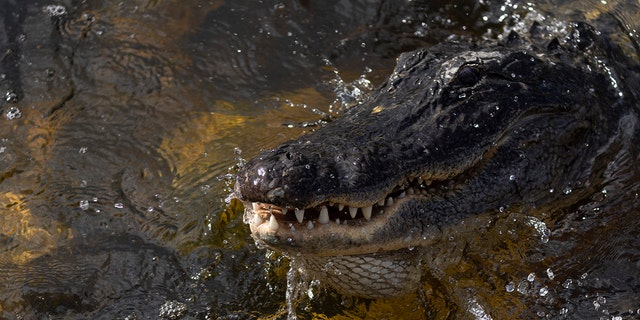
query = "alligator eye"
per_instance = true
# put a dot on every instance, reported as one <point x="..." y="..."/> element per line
<point x="468" y="76"/>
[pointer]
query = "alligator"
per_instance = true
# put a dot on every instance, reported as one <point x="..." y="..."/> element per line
<point x="457" y="131"/>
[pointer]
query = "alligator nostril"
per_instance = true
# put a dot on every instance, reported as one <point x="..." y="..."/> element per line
<point x="288" y="155"/>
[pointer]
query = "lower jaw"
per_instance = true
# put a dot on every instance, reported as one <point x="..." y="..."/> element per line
<point x="374" y="275"/>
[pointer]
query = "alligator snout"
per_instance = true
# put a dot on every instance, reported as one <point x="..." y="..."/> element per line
<point x="288" y="176"/>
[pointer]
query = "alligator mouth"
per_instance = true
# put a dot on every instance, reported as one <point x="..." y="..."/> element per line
<point x="272" y="223"/>
<point x="326" y="212"/>
<point x="345" y="214"/>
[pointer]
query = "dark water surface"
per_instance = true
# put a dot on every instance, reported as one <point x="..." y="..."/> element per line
<point x="122" y="123"/>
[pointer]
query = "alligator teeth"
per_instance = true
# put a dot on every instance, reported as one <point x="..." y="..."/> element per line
<point x="389" y="202"/>
<point x="338" y="221"/>
<point x="255" y="206"/>
<point x="309" y="225"/>
<point x="353" y="211"/>
<point x="381" y="202"/>
<point x="257" y="220"/>
<point x="366" y="211"/>
<point x="284" y="211"/>
<point x="402" y="195"/>
<point x="324" y="215"/>
<point x="300" y="215"/>
<point x="340" y="207"/>
<point x="273" y="223"/>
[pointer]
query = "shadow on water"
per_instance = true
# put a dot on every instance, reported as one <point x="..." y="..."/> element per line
<point x="123" y="121"/>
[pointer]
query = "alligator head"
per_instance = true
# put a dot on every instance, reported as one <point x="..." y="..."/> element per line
<point x="455" y="131"/>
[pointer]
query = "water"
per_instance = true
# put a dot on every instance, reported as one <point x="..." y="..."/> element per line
<point x="122" y="124"/>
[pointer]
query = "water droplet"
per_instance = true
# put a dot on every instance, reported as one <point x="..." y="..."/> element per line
<point x="512" y="177"/>
<point x="55" y="10"/>
<point x="523" y="286"/>
<point x="510" y="286"/>
<point x="119" y="205"/>
<point x="84" y="205"/>
<point x="550" y="274"/>
<point x="531" y="277"/>
<point x="13" y="113"/>
<point x="567" y="190"/>
<point x="544" y="291"/>
<point x="567" y="283"/>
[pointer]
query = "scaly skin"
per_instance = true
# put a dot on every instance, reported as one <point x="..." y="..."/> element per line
<point x="456" y="131"/>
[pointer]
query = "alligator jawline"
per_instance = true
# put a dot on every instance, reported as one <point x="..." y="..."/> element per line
<point x="290" y="223"/>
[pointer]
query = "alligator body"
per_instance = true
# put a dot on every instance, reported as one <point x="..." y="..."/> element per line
<point x="457" y="131"/>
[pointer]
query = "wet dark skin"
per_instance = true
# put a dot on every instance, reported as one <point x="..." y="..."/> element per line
<point x="457" y="130"/>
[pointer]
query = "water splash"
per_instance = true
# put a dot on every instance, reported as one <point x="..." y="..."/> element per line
<point x="296" y="287"/>
<point x="348" y="94"/>
<point x="541" y="227"/>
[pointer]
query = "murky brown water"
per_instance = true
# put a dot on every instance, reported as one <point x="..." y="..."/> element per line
<point x="122" y="122"/>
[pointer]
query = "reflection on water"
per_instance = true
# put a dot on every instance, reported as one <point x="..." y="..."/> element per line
<point x="123" y="121"/>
